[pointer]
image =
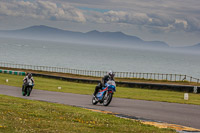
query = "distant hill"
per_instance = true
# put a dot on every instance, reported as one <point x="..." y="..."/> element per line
<point x="92" y="37"/>
<point x="193" y="48"/>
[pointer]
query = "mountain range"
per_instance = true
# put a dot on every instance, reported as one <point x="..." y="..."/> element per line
<point x="42" y="32"/>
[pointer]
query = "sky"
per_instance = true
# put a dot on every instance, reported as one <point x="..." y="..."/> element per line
<point x="176" y="22"/>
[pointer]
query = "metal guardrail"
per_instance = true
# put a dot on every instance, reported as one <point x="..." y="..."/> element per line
<point x="134" y="75"/>
<point x="182" y="88"/>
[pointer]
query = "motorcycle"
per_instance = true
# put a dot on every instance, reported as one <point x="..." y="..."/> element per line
<point x="27" y="88"/>
<point x="105" y="95"/>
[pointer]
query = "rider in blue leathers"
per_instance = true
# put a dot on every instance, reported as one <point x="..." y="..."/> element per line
<point x="105" y="79"/>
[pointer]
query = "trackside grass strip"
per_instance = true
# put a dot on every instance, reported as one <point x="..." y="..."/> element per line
<point x="21" y="115"/>
<point x="88" y="89"/>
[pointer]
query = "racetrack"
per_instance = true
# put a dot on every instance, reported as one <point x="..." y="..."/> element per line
<point x="181" y="114"/>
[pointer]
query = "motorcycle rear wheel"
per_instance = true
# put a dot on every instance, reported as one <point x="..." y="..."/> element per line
<point x="23" y="92"/>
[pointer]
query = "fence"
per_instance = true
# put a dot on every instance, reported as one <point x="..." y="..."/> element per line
<point x="135" y="75"/>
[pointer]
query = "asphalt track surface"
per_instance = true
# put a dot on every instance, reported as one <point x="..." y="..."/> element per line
<point x="173" y="113"/>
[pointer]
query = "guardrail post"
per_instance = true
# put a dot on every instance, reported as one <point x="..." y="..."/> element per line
<point x="175" y="77"/>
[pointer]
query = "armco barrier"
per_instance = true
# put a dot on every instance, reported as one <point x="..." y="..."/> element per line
<point x="135" y="75"/>
<point x="182" y="88"/>
<point x="13" y="72"/>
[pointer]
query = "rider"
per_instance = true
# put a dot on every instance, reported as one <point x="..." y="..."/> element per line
<point x="25" y="80"/>
<point x="105" y="79"/>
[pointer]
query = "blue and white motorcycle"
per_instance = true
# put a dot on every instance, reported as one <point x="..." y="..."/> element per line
<point x="105" y="95"/>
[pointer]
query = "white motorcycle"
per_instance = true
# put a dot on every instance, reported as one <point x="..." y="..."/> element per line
<point x="28" y="86"/>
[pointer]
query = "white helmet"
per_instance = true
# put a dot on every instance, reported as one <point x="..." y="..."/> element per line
<point x="111" y="73"/>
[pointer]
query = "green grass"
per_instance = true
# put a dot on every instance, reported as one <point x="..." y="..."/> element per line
<point x="20" y="115"/>
<point x="122" y="92"/>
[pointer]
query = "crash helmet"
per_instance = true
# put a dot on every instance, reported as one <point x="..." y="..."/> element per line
<point x="29" y="75"/>
<point x="111" y="73"/>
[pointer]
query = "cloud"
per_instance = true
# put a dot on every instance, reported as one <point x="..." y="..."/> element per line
<point x="193" y="24"/>
<point x="154" y="15"/>
<point x="155" y="22"/>
<point x="162" y="15"/>
<point x="125" y="17"/>
<point x="133" y="18"/>
<point x="41" y="10"/>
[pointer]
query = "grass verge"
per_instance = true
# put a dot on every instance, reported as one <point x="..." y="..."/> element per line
<point x="122" y="92"/>
<point x="99" y="78"/>
<point x="20" y="115"/>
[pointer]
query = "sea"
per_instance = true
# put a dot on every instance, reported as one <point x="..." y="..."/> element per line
<point x="98" y="57"/>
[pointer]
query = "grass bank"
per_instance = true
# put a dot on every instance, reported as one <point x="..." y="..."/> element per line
<point x="122" y="92"/>
<point x="20" y="115"/>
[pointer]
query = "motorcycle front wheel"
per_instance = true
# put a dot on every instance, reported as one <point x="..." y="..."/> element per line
<point x="107" y="99"/>
<point x="29" y="91"/>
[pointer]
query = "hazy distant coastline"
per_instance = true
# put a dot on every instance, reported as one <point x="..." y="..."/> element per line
<point x="94" y="37"/>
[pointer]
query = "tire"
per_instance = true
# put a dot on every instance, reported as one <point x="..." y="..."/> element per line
<point x="94" y="101"/>
<point x="23" y="91"/>
<point x="108" y="99"/>
<point x="28" y="91"/>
